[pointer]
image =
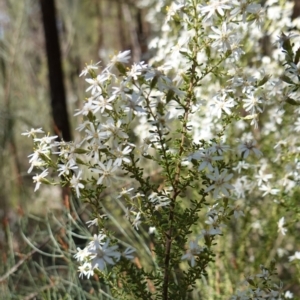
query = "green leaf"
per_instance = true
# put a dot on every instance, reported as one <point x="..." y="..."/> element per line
<point x="207" y="50"/>
<point x="153" y="82"/>
<point x="80" y="151"/>
<point x="286" y="79"/>
<point x="264" y="80"/>
<point x="79" y="161"/>
<point x="297" y="56"/>
<point x="286" y="43"/>
<point x="170" y="95"/>
<point x="292" y="101"/>
<point x="121" y="68"/>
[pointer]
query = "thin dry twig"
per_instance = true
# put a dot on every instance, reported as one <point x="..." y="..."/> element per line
<point x="17" y="265"/>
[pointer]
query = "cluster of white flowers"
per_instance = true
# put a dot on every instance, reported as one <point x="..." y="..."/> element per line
<point x="214" y="127"/>
<point x="98" y="254"/>
<point x="248" y="89"/>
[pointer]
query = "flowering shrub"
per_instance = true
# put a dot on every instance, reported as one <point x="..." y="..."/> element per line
<point x="198" y="138"/>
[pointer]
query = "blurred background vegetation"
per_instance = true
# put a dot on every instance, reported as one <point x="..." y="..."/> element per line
<point x="36" y="246"/>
